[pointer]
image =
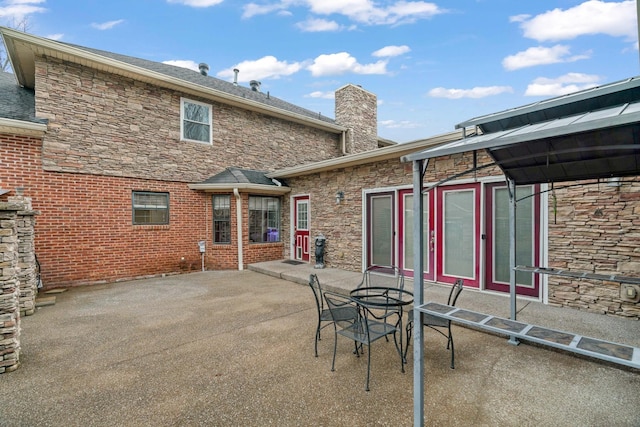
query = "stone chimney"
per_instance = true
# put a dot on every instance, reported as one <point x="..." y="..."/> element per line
<point x="357" y="110"/>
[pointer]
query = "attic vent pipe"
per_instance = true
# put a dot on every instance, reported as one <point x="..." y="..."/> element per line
<point x="255" y="85"/>
<point x="235" y="76"/>
<point x="204" y="68"/>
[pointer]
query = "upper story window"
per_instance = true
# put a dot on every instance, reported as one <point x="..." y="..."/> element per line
<point x="264" y="219"/>
<point x="150" y="208"/>
<point x="195" y="121"/>
<point x="221" y="219"/>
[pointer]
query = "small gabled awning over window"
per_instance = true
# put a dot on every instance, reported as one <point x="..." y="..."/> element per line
<point x="244" y="180"/>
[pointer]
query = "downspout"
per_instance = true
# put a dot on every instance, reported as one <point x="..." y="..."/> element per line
<point x="236" y="193"/>
<point x="343" y="138"/>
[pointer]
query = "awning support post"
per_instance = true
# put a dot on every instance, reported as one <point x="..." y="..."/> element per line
<point x="511" y="185"/>
<point x="419" y="168"/>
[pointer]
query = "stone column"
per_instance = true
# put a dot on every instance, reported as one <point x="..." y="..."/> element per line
<point x="25" y="223"/>
<point x="9" y="288"/>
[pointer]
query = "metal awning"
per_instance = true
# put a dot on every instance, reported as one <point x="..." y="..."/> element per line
<point x="587" y="135"/>
<point x="564" y="149"/>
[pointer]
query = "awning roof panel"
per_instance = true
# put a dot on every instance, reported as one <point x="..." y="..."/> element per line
<point x="598" y="144"/>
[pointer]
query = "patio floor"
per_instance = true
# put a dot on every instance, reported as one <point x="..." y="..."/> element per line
<point x="236" y="348"/>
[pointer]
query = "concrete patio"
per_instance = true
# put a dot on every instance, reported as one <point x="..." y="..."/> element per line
<point x="236" y="348"/>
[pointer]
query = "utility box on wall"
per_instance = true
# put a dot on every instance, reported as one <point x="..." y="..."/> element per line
<point x="629" y="292"/>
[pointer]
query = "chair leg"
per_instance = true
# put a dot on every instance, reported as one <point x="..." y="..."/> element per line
<point x="317" y="338"/>
<point x="335" y="345"/>
<point x="450" y="341"/>
<point x="368" y="366"/>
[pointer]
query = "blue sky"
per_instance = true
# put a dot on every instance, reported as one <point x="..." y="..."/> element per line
<point x="431" y="64"/>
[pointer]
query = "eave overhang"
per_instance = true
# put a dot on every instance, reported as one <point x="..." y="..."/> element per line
<point x="19" y="127"/>
<point x="377" y="155"/>
<point x="242" y="187"/>
<point x="23" y="48"/>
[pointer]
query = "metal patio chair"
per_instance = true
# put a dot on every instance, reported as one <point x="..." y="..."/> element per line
<point x="438" y="324"/>
<point x="324" y="315"/>
<point x="364" y="327"/>
<point x="382" y="276"/>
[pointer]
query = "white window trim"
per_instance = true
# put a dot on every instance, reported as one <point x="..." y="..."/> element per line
<point x="210" y="108"/>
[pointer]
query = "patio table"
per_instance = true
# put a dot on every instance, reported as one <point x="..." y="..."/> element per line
<point x="392" y="301"/>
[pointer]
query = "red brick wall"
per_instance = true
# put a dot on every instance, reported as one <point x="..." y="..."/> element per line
<point x="84" y="233"/>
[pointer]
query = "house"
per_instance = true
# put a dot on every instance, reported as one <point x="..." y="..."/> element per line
<point x="135" y="166"/>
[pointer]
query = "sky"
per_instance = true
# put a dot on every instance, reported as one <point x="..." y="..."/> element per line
<point x="431" y="65"/>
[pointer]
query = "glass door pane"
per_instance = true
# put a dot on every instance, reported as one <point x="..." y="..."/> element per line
<point x="408" y="232"/>
<point x="459" y="233"/>
<point x="380" y="230"/>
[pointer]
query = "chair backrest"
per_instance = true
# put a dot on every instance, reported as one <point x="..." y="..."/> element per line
<point x="382" y="276"/>
<point x="455" y="291"/>
<point x="314" y="284"/>
<point x="344" y="311"/>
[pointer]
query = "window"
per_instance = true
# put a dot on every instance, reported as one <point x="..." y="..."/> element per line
<point x="195" y="121"/>
<point x="221" y="219"/>
<point x="150" y="208"/>
<point x="264" y="219"/>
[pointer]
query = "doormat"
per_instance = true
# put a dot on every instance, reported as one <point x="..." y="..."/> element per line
<point x="292" y="262"/>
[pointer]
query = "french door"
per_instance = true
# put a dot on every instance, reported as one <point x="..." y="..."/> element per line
<point x="381" y="235"/>
<point x="527" y="238"/>
<point x="458" y="234"/>
<point x="407" y="238"/>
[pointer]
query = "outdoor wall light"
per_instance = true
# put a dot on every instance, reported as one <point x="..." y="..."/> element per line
<point x="339" y="197"/>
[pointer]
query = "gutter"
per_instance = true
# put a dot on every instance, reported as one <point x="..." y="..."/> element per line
<point x="236" y="193"/>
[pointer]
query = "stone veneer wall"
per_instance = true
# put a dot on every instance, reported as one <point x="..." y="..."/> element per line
<point x="104" y="124"/>
<point x="357" y="110"/>
<point x="10" y="288"/>
<point x="25" y="225"/>
<point x="595" y="228"/>
<point x="592" y="228"/>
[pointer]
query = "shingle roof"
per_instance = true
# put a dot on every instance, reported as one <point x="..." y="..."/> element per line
<point x="195" y="77"/>
<point x="16" y="103"/>
<point x="236" y="175"/>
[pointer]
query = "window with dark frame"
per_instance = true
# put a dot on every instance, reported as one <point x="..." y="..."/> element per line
<point x="221" y="219"/>
<point x="150" y="208"/>
<point x="264" y="219"/>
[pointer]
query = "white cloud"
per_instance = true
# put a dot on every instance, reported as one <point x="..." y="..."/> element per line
<point x="340" y="63"/>
<point x="184" y="63"/>
<point x="196" y="3"/>
<point x="616" y="19"/>
<point x="568" y="83"/>
<point x="389" y="51"/>
<point x="402" y="124"/>
<point x="17" y="10"/>
<point x="57" y="36"/>
<point x="322" y="95"/>
<point x="252" y="9"/>
<point x="318" y="25"/>
<point x="541" y="55"/>
<point x="361" y="11"/>
<point x="267" y="67"/>
<point x="106" y="25"/>
<point x="476" y="92"/>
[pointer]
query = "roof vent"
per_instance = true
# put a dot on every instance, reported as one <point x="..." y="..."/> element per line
<point x="235" y="76"/>
<point x="204" y="68"/>
<point x="255" y="85"/>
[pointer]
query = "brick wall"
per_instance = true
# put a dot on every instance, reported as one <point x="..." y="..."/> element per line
<point x="104" y="124"/>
